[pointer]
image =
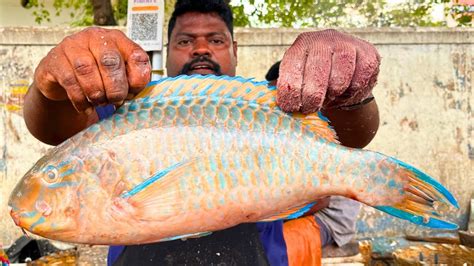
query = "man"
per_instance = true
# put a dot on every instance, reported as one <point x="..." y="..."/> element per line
<point x="88" y="72"/>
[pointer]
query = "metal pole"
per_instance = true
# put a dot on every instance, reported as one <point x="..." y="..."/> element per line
<point x="157" y="65"/>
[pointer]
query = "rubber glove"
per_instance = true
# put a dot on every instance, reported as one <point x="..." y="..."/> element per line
<point x="326" y="69"/>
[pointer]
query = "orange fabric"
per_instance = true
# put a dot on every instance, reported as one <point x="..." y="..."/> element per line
<point x="303" y="241"/>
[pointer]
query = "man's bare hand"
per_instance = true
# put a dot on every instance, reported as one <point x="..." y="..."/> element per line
<point x="93" y="67"/>
<point x="326" y="69"/>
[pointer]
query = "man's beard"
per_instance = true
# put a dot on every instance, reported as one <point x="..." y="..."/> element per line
<point x="214" y="66"/>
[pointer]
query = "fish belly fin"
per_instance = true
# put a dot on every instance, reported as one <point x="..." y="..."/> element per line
<point x="186" y="236"/>
<point x="292" y="213"/>
<point x="424" y="200"/>
<point x="158" y="194"/>
<point x="212" y="86"/>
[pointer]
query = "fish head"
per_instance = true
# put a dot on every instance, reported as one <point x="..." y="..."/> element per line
<point x="46" y="200"/>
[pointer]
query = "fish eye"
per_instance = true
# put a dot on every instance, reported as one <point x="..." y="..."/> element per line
<point x="51" y="174"/>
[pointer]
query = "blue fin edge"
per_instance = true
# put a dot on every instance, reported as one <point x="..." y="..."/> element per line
<point x="150" y="181"/>
<point x="198" y="76"/>
<point x="300" y="212"/>
<point x="417" y="219"/>
<point x="323" y="117"/>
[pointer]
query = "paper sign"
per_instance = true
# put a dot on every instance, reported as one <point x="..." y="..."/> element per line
<point x="145" y="23"/>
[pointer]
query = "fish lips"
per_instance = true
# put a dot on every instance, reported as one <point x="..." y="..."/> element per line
<point x="15" y="216"/>
<point x="37" y="223"/>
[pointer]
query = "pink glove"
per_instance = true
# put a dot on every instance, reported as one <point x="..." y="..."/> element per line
<point x="326" y="69"/>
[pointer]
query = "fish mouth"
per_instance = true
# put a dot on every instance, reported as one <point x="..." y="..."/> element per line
<point x="35" y="222"/>
<point x="27" y="220"/>
<point x="15" y="216"/>
<point x="42" y="210"/>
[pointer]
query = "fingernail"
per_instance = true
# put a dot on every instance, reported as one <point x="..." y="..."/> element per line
<point x="89" y="110"/>
<point x="98" y="98"/>
<point x="118" y="103"/>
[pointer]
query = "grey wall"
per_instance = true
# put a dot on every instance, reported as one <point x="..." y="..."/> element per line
<point x="424" y="94"/>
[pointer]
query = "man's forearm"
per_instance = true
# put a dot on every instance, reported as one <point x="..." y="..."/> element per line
<point x="53" y="121"/>
<point x="355" y="127"/>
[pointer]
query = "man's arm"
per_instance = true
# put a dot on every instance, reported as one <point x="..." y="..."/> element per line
<point x="53" y="121"/>
<point x="355" y="125"/>
<point x="91" y="68"/>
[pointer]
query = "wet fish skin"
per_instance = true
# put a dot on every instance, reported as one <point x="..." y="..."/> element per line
<point x="191" y="155"/>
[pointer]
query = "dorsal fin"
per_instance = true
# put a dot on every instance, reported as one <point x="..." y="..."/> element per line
<point x="319" y="124"/>
<point x="214" y="86"/>
<point x="245" y="89"/>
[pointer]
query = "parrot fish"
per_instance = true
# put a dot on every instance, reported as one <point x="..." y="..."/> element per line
<point x="190" y="155"/>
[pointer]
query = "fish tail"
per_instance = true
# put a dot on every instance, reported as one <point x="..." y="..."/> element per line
<point x="424" y="199"/>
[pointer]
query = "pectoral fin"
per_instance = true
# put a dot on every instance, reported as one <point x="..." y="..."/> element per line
<point x="159" y="194"/>
<point x="184" y="237"/>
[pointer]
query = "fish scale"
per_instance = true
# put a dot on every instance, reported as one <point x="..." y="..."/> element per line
<point x="219" y="140"/>
<point x="195" y="154"/>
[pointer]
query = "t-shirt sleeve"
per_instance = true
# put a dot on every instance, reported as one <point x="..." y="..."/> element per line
<point x="340" y="218"/>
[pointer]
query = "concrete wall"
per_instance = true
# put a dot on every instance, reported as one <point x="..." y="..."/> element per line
<point x="13" y="14"/>
<point x="424" y="94"/>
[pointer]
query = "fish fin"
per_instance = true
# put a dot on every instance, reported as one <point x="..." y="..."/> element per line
<point x="213" y="86"/>
<point x="139" y="190"/>
<point x="292" y="213"/>
<point x="244" y="89"/>
<point x="318" y="124"/>
<point x="427" y="184"/>
<point x="424" y="198"/>
<point x="416" y="218"/>
<point x="159" y="194"/>
<point x="186" y="236"/>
